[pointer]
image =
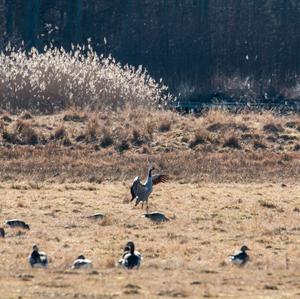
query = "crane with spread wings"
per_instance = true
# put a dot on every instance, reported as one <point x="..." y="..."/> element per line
<point x="140" y="191"/>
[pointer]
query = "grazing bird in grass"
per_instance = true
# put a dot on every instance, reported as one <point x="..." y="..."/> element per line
<point x="17" y="223"/>
<point x="141" y="191"/>
<point x="38" y="259"/>
<point x="130" y="258"/>
<point x="82" y="262"/>
<point x="2" y="232"/>
<point x="241" y="257"/>
<point x="96" y="216"/>
<point x="156" y="217"/>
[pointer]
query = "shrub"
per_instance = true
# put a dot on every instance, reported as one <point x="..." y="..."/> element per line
<point x="232" y="142"/>
<point x="26" y="115"/>
<point x="201" y="136"/>
<point x="122" y="146"/>
<point x="138" y="139"/>
<point x="106" y="139"/>
<point x="74" y="116"/>
<point x="22" y="133"/>
<point x="60" y="133"/>
<point x="297" y="147"/>
<point x="259" y="144"/>
<point x="92" y="130"/>
<point x="6" y="119"/>
<point x="272" y="128"/>
<point x="164" y="126"/>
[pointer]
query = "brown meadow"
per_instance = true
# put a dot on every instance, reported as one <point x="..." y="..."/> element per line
<point x="186" y="257"/>
<point x="234" y="181"/>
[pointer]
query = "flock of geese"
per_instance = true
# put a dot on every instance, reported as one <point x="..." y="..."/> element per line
<point x="140" y="192"/>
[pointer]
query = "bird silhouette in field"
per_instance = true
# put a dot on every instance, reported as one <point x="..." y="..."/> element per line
<point x="156" y="217"/>
<point x="141" y="191"/>
<point x="130" y="258"/>
<point x="81" y="263"/>
<point x="241" y="257"/>
<point x="38" y="259"/>
<point x="12" y="223"/>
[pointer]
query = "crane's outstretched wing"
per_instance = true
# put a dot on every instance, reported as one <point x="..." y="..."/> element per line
<point x="159" y="178"/>
<point x="134" y="187"/>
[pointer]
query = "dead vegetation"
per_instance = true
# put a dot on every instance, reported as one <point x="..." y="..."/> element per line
<point x="218" y="146"/>
<point x="212" y="221"/>
<point x="57" y="79"/>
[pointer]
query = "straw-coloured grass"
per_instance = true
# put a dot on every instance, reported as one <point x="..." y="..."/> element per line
<point x="186" y="257"/>
<point x="56" y="79"/>
<point x="92" y="146"/>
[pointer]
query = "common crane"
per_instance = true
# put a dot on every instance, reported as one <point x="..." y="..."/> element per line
<point x="141" y="191"/>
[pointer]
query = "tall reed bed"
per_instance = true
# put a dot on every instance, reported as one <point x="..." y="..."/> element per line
<point x="56" y="79"/>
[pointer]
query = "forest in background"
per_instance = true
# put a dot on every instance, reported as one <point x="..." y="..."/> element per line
<point x="241" y="47"/>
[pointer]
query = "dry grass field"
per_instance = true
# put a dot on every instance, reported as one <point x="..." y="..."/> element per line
<point x="186" y="257"/>
<point x="76" y="146"/>
<point x="234" y="180"/>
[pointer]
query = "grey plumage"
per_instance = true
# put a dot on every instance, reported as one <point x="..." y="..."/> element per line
<point x="96" y="216"/>
<point x="17" y="223"/>
<point x="141" y="191"/>
<point x="156" y="217"/>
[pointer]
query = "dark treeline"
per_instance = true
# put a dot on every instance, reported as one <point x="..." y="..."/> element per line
<point x="196" y="46"/>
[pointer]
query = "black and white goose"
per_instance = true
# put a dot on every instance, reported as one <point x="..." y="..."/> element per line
<point x="82" y="263"/>
<point x="130" y="258"/>
<point x="241" y="257"/>
<point x="38" y="259"/>
<point x="141" y="191"/>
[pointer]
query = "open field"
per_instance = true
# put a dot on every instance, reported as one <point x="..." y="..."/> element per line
<point x="76" y="146"/>
<point x="234" y="180"/>
<point x="186" y="257"/>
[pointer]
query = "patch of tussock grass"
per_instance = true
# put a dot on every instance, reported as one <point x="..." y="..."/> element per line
<point x="21" y="133"/>
<point x="201" y="136"/>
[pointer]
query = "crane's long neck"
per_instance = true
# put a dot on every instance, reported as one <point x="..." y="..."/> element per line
<point x="149" y="178"/>
<point x="150" y="173"/>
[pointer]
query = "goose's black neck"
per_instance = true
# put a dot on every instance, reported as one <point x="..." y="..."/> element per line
<point x="131" y="247"/>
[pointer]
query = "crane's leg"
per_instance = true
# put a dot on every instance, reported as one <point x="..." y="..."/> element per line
<point x="147" y="206"/>
<point x="142" y="205"/>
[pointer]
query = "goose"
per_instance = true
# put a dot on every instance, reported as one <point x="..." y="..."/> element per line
<point x="17" y="223"/>
<point x="141" y="191"/>
<point x="82" y="262"/>
<point x="156" y="216"/>
<point x="96" y="216"/>
<point x="130" y="257"/>
<point x="38" y="259"/>
<point x="2" y="232"/>
<point x="241" y="257"/>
